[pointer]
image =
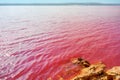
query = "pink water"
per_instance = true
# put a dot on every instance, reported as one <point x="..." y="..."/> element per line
<point x="38" y="42"/>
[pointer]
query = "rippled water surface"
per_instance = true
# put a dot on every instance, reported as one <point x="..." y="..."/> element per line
<point x="38" y="42"/>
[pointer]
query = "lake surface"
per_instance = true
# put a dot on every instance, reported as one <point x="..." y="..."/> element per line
<point x="38" y="42"/>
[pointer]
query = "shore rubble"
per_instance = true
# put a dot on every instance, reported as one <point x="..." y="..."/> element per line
<point x="95" y="71"/>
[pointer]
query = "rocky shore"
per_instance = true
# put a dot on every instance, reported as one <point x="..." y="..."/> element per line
<point x="95" y="71"/>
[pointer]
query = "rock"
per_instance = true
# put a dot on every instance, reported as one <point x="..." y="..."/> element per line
<point x="95" y="71"/>
<point x="81" y="62"/>
<point x="90" y="72"/>
<point x="114" y="72"/>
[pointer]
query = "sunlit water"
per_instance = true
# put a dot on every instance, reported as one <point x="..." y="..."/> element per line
<point x="38" y="42"/>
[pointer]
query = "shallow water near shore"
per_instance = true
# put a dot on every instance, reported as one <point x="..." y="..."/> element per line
<point x="38" y="42"/>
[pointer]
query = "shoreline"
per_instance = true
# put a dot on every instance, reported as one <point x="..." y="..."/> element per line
<point x="52" y="4"/>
